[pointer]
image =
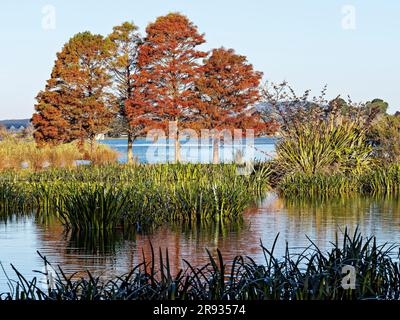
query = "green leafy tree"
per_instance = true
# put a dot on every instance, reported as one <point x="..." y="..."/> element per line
<point x="378" y="104"/>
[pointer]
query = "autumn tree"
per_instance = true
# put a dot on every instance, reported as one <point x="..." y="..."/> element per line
<point x="75" y="103"/>
<point x="228" y="90"/>
<point x="123" y="65"/>
<point x="50" y="121"/>
<point x="170" y="63"/>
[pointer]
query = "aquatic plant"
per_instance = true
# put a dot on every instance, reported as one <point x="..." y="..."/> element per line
<point x="382" y="180"/>
<point x="319" y="185"/>
<point x="91" y="207"/>
<point x="308" y="275"/>
<point x="139" y="195"/>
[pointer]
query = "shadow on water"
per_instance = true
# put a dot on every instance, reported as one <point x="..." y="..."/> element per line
<point x="110" y="242"/>
<point x="96" y="243"/>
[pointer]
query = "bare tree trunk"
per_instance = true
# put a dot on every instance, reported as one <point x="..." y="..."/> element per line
<point x="216" y="149"/>
<point x="130" y="148"/>
<point x="174" y="134"/>
<point x="177" y="150"/>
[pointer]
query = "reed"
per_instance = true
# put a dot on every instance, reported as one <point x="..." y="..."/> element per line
<point x="309" y="275"/>
<point x="319" y="185"/>
<point x="111" y="196"/>
<point x="88" y="207"/>
<point x="384" y="180"/>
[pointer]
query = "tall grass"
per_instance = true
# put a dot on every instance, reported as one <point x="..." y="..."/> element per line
<point x="382" y="180"/>
<point x="17" y="154"/>
<point x="89" y="207"/>
<point x="105" y="197"/>
<point x="308" y="275"/>
<point x="319" y="185"/>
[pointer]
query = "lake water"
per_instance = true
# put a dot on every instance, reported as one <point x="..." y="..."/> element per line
<point x="20" y="238"/>
<point x="148" y="151"/>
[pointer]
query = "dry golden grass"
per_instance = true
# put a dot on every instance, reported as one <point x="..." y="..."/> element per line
<point x="16" y="154"/>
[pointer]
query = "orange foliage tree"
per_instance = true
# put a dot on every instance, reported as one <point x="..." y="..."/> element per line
<point x="123" y="65"/>
<point x="75" y="103"/>
<point x="227" y="92"/>
<point x="169" y="64"/>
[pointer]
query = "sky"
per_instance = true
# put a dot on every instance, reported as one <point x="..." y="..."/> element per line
<point x="351" y="46"/>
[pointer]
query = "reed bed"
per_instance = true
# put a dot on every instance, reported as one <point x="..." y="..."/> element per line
<point x="309" y="275"/>
<point x="319" y="185"/>
<point x="114" y="196"/>
<point x="19" y="154"/>
<point x="383" y="180"/>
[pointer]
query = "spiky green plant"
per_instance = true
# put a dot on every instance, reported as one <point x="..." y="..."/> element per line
<point x="325" y="148"/>
<point x="93" y="207"/>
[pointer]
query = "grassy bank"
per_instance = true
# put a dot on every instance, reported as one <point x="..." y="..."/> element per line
<point x="310" y="275"/>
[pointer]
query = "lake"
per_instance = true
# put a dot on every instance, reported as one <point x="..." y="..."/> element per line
<point x="148" y="151"/>
<point x="21" y="237"/>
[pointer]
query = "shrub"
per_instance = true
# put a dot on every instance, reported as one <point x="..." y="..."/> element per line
<point x="325" y="148"/>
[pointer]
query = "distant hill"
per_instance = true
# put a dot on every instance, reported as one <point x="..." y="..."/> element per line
<point x="15" y="124"/>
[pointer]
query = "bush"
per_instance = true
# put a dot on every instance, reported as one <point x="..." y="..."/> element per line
<point x="325" y="148"/>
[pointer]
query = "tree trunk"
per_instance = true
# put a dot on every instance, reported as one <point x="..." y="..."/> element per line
<point x="216" y="149"/>
<point x="177" y="150"/>
<point x="130" y="148"/>
<point x="92" y="141"/>
<point x="174" y="134"/>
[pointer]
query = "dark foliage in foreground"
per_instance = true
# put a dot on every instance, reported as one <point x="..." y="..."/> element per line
<point x="313" y="274"/>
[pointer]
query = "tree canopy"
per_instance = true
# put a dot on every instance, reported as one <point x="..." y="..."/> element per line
<point x="75" y="103"/>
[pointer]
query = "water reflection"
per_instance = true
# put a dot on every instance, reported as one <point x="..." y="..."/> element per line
<point x="116" y="254"/>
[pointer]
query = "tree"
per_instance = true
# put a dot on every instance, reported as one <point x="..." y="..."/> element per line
<point x="169" y="63"/>
<point x="228" y="90"/>
<point x="126" y="41"/>
<point x="75" y="103"/>
<point x="379" y="104"/>
<point x="384" y="135"/>
<point x="50" y="121"/>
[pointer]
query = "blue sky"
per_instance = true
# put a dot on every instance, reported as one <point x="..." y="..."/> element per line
<point x="303" y="42"/>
